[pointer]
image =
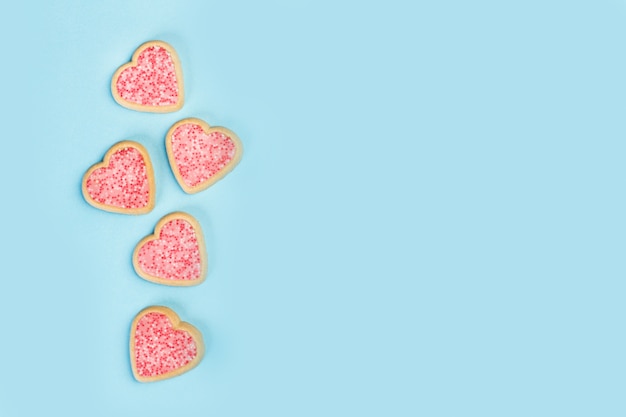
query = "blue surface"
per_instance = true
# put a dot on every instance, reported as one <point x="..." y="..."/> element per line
<point x="428" y="220"/>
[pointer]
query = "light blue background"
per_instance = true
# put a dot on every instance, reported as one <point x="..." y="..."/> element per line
<point x="429" y="218"/>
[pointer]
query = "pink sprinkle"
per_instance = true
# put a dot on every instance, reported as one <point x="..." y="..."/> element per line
<point x="174" y="255"/>
<point x="159" y="348"/>
<point x="152" y="82"/>
<point x="198" y="155"/>
<point x="123" y="183"/>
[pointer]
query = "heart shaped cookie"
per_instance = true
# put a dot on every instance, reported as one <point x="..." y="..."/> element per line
<point x="162" y="346"/>
<point x="123" y="182"/>
<point x="152" y="81"/>
<point x="201" y="155"/>
<point x="175" y="254"/>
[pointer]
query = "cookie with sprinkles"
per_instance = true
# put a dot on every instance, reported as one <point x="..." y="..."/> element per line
<point x="201" y="155"/>
<point x="175" y="254"/>
<point x="162" y="346"/>
<point x="152" y="81"/>
<point x="123" y="182"/>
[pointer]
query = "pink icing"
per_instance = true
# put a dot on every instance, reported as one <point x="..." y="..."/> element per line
<point x="159" y="348"/>
<point x="152" y="82"/>
<point x="123" y="183"/>
<point x="198" y="155"/>
<point x="175" y="255"/>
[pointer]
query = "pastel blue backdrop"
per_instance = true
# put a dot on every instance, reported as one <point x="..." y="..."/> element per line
<point x="429" y="218"/>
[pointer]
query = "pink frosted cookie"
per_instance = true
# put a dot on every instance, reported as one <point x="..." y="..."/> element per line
<point x="123" y="182"/>
<point x="162" y="346"/>
<point x="201" y="155"/>
<point x="152" y="81"/>
<point x="175" y="254"/>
